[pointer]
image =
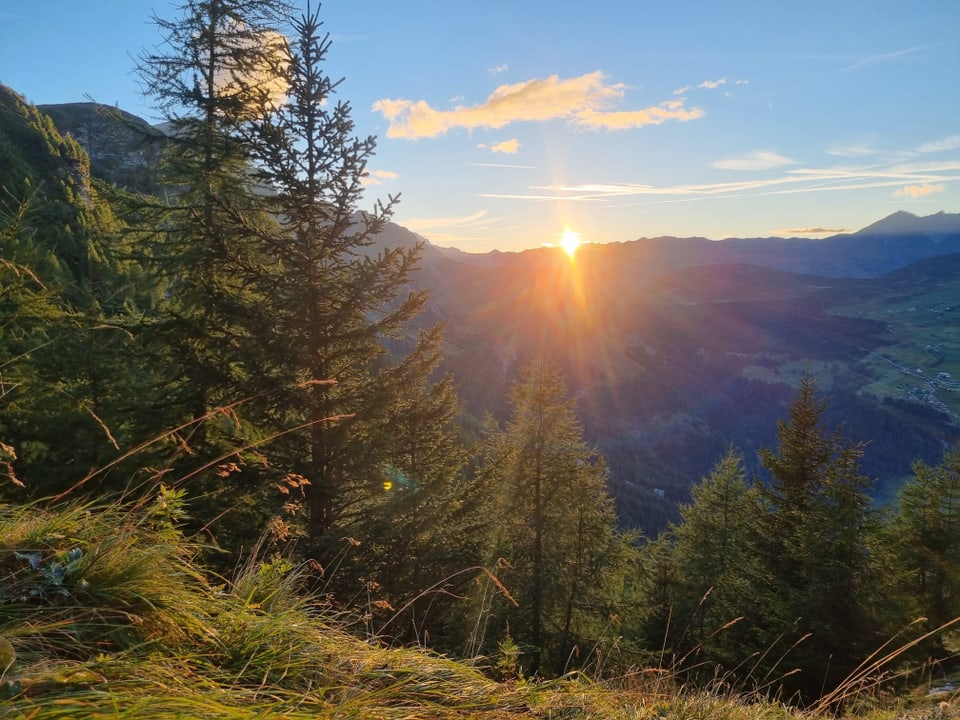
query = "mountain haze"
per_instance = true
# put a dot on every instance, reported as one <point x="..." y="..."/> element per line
<point x="679" y="347"/>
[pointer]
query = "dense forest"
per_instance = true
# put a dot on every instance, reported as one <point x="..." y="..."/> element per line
<point x="232" y="343"/>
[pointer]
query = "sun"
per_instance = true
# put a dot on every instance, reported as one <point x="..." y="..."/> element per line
<point x="570" y="242"/>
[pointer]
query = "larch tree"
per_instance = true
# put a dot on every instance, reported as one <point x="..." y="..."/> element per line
<point x="207" y="78"/>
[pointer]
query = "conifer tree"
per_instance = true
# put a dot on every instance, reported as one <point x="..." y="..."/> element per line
<point x="68" y="375"/>
<point x="555" y="526"/>
<point x="347" y="388"/>
<point x="658" y="594"/>
<point x="334" y="301"/>
<point x="814" y="532"/>
<point x="279" y="296"/>
<point x="208" y="78"/>
<point x="926" y="534"/>
<point x="716" y="566"/>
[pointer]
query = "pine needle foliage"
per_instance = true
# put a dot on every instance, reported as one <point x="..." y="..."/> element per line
<point x="554" y="526"/>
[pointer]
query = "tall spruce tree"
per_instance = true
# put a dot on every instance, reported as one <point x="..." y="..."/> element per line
<point x="926" y="537"/>
<point x="716" y="565"/>
<point x="555" y="526"/>
<point x="334" y="302"/>
<point x="344" y="403"/>
<point x="815" y="526"/>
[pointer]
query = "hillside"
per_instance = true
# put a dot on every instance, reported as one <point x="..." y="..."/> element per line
<point x="33" y="153"/>
<point x="123" y="622"/>
<point x="123" y="149"/>
<point x="670" y="369"/>
<point x="678" y="347"/>
<point x="243" y="475"/>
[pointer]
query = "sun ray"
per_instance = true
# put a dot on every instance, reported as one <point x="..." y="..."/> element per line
<point x="570" y="242"/>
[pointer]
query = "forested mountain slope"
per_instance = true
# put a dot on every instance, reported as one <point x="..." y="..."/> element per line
<point x="679" y="347"/>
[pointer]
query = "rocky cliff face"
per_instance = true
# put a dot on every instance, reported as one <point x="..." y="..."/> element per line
<point x="37" y="162"/>
<point x="123" y="148"/>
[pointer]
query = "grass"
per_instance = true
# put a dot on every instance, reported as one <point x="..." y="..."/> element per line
<point x="925" y="338"/>
<point x="106" y="613"/>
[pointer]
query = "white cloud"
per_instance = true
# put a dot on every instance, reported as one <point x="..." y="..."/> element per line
<point x="247" y="80"/>
<point x="856" y="150"/>
<point x="583" y="100"/>
<point x="741" y="82"/>
<point x="941" y="145"/>
<point x="378" y="177"/>
<point x="499" y="69"/>
<point x="712" y="84"/>
<point x="681" y="90"/>
<point x="509" y="147"/>
<point x="626" y="119"/>
<point x="915" y="191"/>
<point x="757" y="160"/>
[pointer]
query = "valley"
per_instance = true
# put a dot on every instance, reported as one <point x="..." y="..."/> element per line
<point x="678" y="348"/>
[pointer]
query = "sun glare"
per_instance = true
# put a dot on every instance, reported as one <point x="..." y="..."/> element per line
<point x="570" y="242"/>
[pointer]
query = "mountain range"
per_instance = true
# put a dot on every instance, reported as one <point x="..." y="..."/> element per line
<point x="677" y="348"/>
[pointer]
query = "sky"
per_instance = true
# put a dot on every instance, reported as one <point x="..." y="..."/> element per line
<point x="505" y="122"/>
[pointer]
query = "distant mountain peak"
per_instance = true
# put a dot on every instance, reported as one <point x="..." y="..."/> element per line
<point x="906" y="223"/>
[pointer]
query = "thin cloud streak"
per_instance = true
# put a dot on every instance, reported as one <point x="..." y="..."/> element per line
<point x="942" y="145"/>
<point x="809" y="231"/>
<point x="502" y="165"/>
<point x="451" y="230"/>
<point x="424" y="224"/>
<point x="756" y="160"/>
<point x="852" y="151"/>
<point x="712" y="84"/>
<point x="801" y="180"/>
<point x="882" y="58"/>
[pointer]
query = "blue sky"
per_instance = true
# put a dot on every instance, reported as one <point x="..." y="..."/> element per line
<point x="503" y="122"/>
